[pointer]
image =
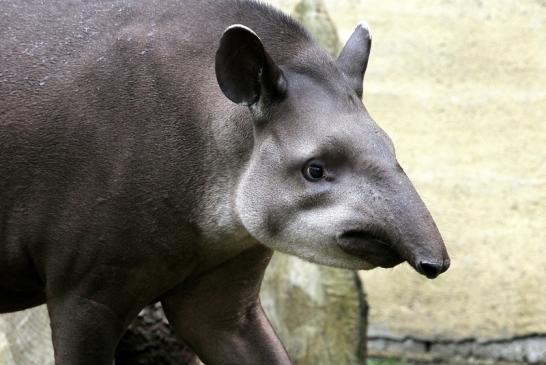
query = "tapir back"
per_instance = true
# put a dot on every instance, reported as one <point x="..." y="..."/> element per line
<point x="95" y="92"/>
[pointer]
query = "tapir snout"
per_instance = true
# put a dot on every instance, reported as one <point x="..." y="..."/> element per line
<point x="403" y="231"/>
<point x="401" y="228"/>
<point x="420" y="241"/>
<point x="409" y="237"/>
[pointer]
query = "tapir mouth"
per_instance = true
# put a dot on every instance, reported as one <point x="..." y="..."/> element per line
<point x="373" y="247"/>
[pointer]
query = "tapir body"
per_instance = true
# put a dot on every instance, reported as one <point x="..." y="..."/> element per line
<point x="161" y="150"/>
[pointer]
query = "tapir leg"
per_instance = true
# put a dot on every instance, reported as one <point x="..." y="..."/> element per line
<point x="84" y="331"/>
<point x="220" y="315"/>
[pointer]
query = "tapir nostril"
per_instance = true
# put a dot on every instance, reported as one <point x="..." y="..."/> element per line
<point x="431" y="269"/>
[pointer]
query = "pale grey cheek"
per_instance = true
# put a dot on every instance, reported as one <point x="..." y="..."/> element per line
<point x="309" y="235"/>
<point x="249" y="204"/>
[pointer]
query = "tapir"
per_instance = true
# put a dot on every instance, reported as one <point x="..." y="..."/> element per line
<point x="162" y="150"/>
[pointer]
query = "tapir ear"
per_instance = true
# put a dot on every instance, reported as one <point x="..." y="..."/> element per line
<point x="244" y="70"/>
<point x="353" y="58"/>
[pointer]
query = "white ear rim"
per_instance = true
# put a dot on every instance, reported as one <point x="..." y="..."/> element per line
<point x="366" y="26"/>
<point x="241" y="26"/>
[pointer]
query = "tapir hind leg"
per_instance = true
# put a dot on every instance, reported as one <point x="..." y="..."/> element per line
<point x="84" y="331"/>
<point x="219" y="315"/>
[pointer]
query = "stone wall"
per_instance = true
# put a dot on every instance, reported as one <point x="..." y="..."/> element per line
<point x="25" y="338"/>
<point x="318" y="312"/>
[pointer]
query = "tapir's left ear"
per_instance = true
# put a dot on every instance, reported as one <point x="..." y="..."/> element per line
<point x="245" y="72"/>
<point x="353" y="58"/>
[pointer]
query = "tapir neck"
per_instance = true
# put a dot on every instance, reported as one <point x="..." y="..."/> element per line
<point x="228" y="153"/>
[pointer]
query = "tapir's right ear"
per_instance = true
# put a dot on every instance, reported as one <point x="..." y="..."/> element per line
<point x="245" y="72"/>
<point x="353" y="58"/>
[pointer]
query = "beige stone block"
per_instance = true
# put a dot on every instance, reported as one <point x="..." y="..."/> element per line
<point x="25" y="338"/>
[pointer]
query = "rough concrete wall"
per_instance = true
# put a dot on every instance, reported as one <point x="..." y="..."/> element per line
<point x="314" y="16"/>
<point x="461" y="87"/>
<point x="318" y="312"/>
<point x="25" y="338"/>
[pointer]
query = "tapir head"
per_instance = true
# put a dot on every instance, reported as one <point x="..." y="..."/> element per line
<point x="323" y="182"/>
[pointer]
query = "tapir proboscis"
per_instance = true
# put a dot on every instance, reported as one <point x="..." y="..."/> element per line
<point x="162" y="150"/>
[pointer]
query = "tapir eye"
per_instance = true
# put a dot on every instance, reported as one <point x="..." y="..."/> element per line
<point x="314" y="171"/>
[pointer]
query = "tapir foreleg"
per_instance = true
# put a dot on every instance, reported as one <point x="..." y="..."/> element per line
<point x="84" y="331"/>
<point x="220" y="315"/>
